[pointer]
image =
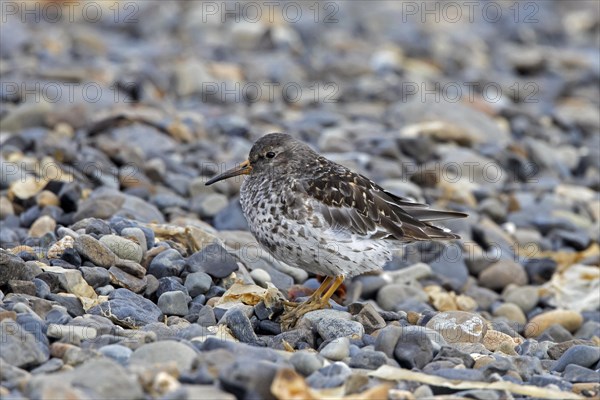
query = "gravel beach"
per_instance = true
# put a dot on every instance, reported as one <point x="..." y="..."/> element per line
<point x="123" y="276"/>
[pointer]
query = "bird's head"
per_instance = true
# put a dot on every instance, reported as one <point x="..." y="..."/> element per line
<point x="272" y="153"/>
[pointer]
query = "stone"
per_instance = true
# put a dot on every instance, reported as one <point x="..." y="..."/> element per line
<point x="413" y="351"/>
<point x="511" y="312"/>
<point x="163" y="352"/>
<point x="306" y="362"/>
<point x="99" y="378"/>
<point x="213" y="260"/>
<point x="21" y="348"/>
<point x="584" y="356"/>
<point x="337" y="349"/>
<point x="198" y="283"/>
<point x="71" y="281"/>
<point x="370" y="319"/>
<point x="569" y="319"/>
<point x="526" y="297"/>
<point x="555" y="333"/>
<point x="136" y="235"/>
<point x="330" y="376"/>
<point x="333" y="328"/>
<point x="95" y="276"/>
<point x="94" y="251"/>
<point x="494" y="340"/>
<point x="42" y="226"/>
<point x="502" y="273"/>
<point x="578" y="374"/>
<point x="121" y="278"/>
<point x="391" y="295"/>
<point x="128" y="309"/>
<point x="458" y="326"/>
<point x="167" y="263"/>
<point x="24" y="287"/>
<point x="247" y="378"/>
<point x="239" y="324"/>
<point x="170" y="284"/>
<point x="368" y="359"/>
<point x="117" y="352"/>
<point x="123" y="248"/>
<point x="13" y="268"/>
<point x="174" y="303"/>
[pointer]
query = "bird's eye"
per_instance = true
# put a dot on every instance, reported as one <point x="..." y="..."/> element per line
<point x="270" y="154"/>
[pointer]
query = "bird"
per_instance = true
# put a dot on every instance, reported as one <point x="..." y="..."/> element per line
<point x="320" y="216"/>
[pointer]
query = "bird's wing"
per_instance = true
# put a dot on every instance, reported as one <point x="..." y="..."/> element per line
<point x="351" y="202"/>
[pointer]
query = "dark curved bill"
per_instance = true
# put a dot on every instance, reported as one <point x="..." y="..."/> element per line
<point x="243" y="169"/>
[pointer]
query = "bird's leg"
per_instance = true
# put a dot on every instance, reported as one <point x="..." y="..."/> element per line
<point x="289" y="319"/>
<point x="316" y="294"/>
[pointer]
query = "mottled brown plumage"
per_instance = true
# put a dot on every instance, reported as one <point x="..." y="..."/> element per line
<point x="317" y="215"/>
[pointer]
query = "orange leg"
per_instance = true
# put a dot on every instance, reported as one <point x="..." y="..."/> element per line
<point x="316" y="294"/>
<point x="315" y="302"/>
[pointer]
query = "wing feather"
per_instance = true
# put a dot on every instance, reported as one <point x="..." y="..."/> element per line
<point x="353" y="203"/>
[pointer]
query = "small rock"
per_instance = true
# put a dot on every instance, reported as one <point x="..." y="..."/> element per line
<point x="555" y="333"/>
<point x="511" y="312"/>
<point x="494" y="340"/>
<point x="174" y="303"/>
<point x="47" y="198"/>
<point x="95" y="276"/>
<point x="117" y="352"/>
<point x="331" y="376"/>
<point x="306" y="362"/>
<point x="137" y="235"/>
<point x="502" y="273"/>
<point x="20" y="347"/>
<point x="41" y="226"/>
<point x="577" y="374"/>
<point x="237" y="321"/>
<point x="167" y="263"/>
<point x="368" y="359"/>
<point x="333" y="328"/>
<point x="413" y="351"/>
<point x="198" y="283"/>
<point x="94" y="251"/>
<point x="569" y="319"/>
<point x="123" y="248"/>
<point x="391" y="295"/>
<point x="213" y="260"/>
<point x="370" y="319"/>
<point x="98" y="378"/>
<point x="162" y="352"/>
<point x="584" y="356"/>
<point x="128" y="309"/>
<point x="123" y="279"/>
<point x="337" y="349"/>
<point x="458" y="326"/>
<point x="526" y="297"/>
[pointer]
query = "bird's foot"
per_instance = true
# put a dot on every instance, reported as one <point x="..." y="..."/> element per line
<point x="290" y="318"/>
<point x="290" y="304"/>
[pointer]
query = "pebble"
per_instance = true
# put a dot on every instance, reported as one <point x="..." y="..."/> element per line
<point x="43" y="225"/>
<point x="330" y="376"/>
<point x="570" y="320"/>
<point x="197" y="283"/>
<point x="117" y="352"/>
<point x="502" y="273"/>
<point x="91" y="249"/>
<point x="174" y="303"/>
<point x="20" y="347"/>
<point x="128" y="309"/>
<point x="511" y="312"/>
<point x="213" y="260"/>
<point x="337" y="349"/>
<point x="333" y="328"/>
<point x="390" y="296"/>
<point x="458" y="326"/>
<point x="526" y="297"/>
<point x="368" y="359"/>
<point x="306" y="362"/>
<point x="584" y="356"/>
<point x="167" y="263"/>
<point x="162" y="352"/>
<point x="123" y="248"/>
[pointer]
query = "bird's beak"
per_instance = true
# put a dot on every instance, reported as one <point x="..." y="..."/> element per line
<point x="243" y="169"/>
